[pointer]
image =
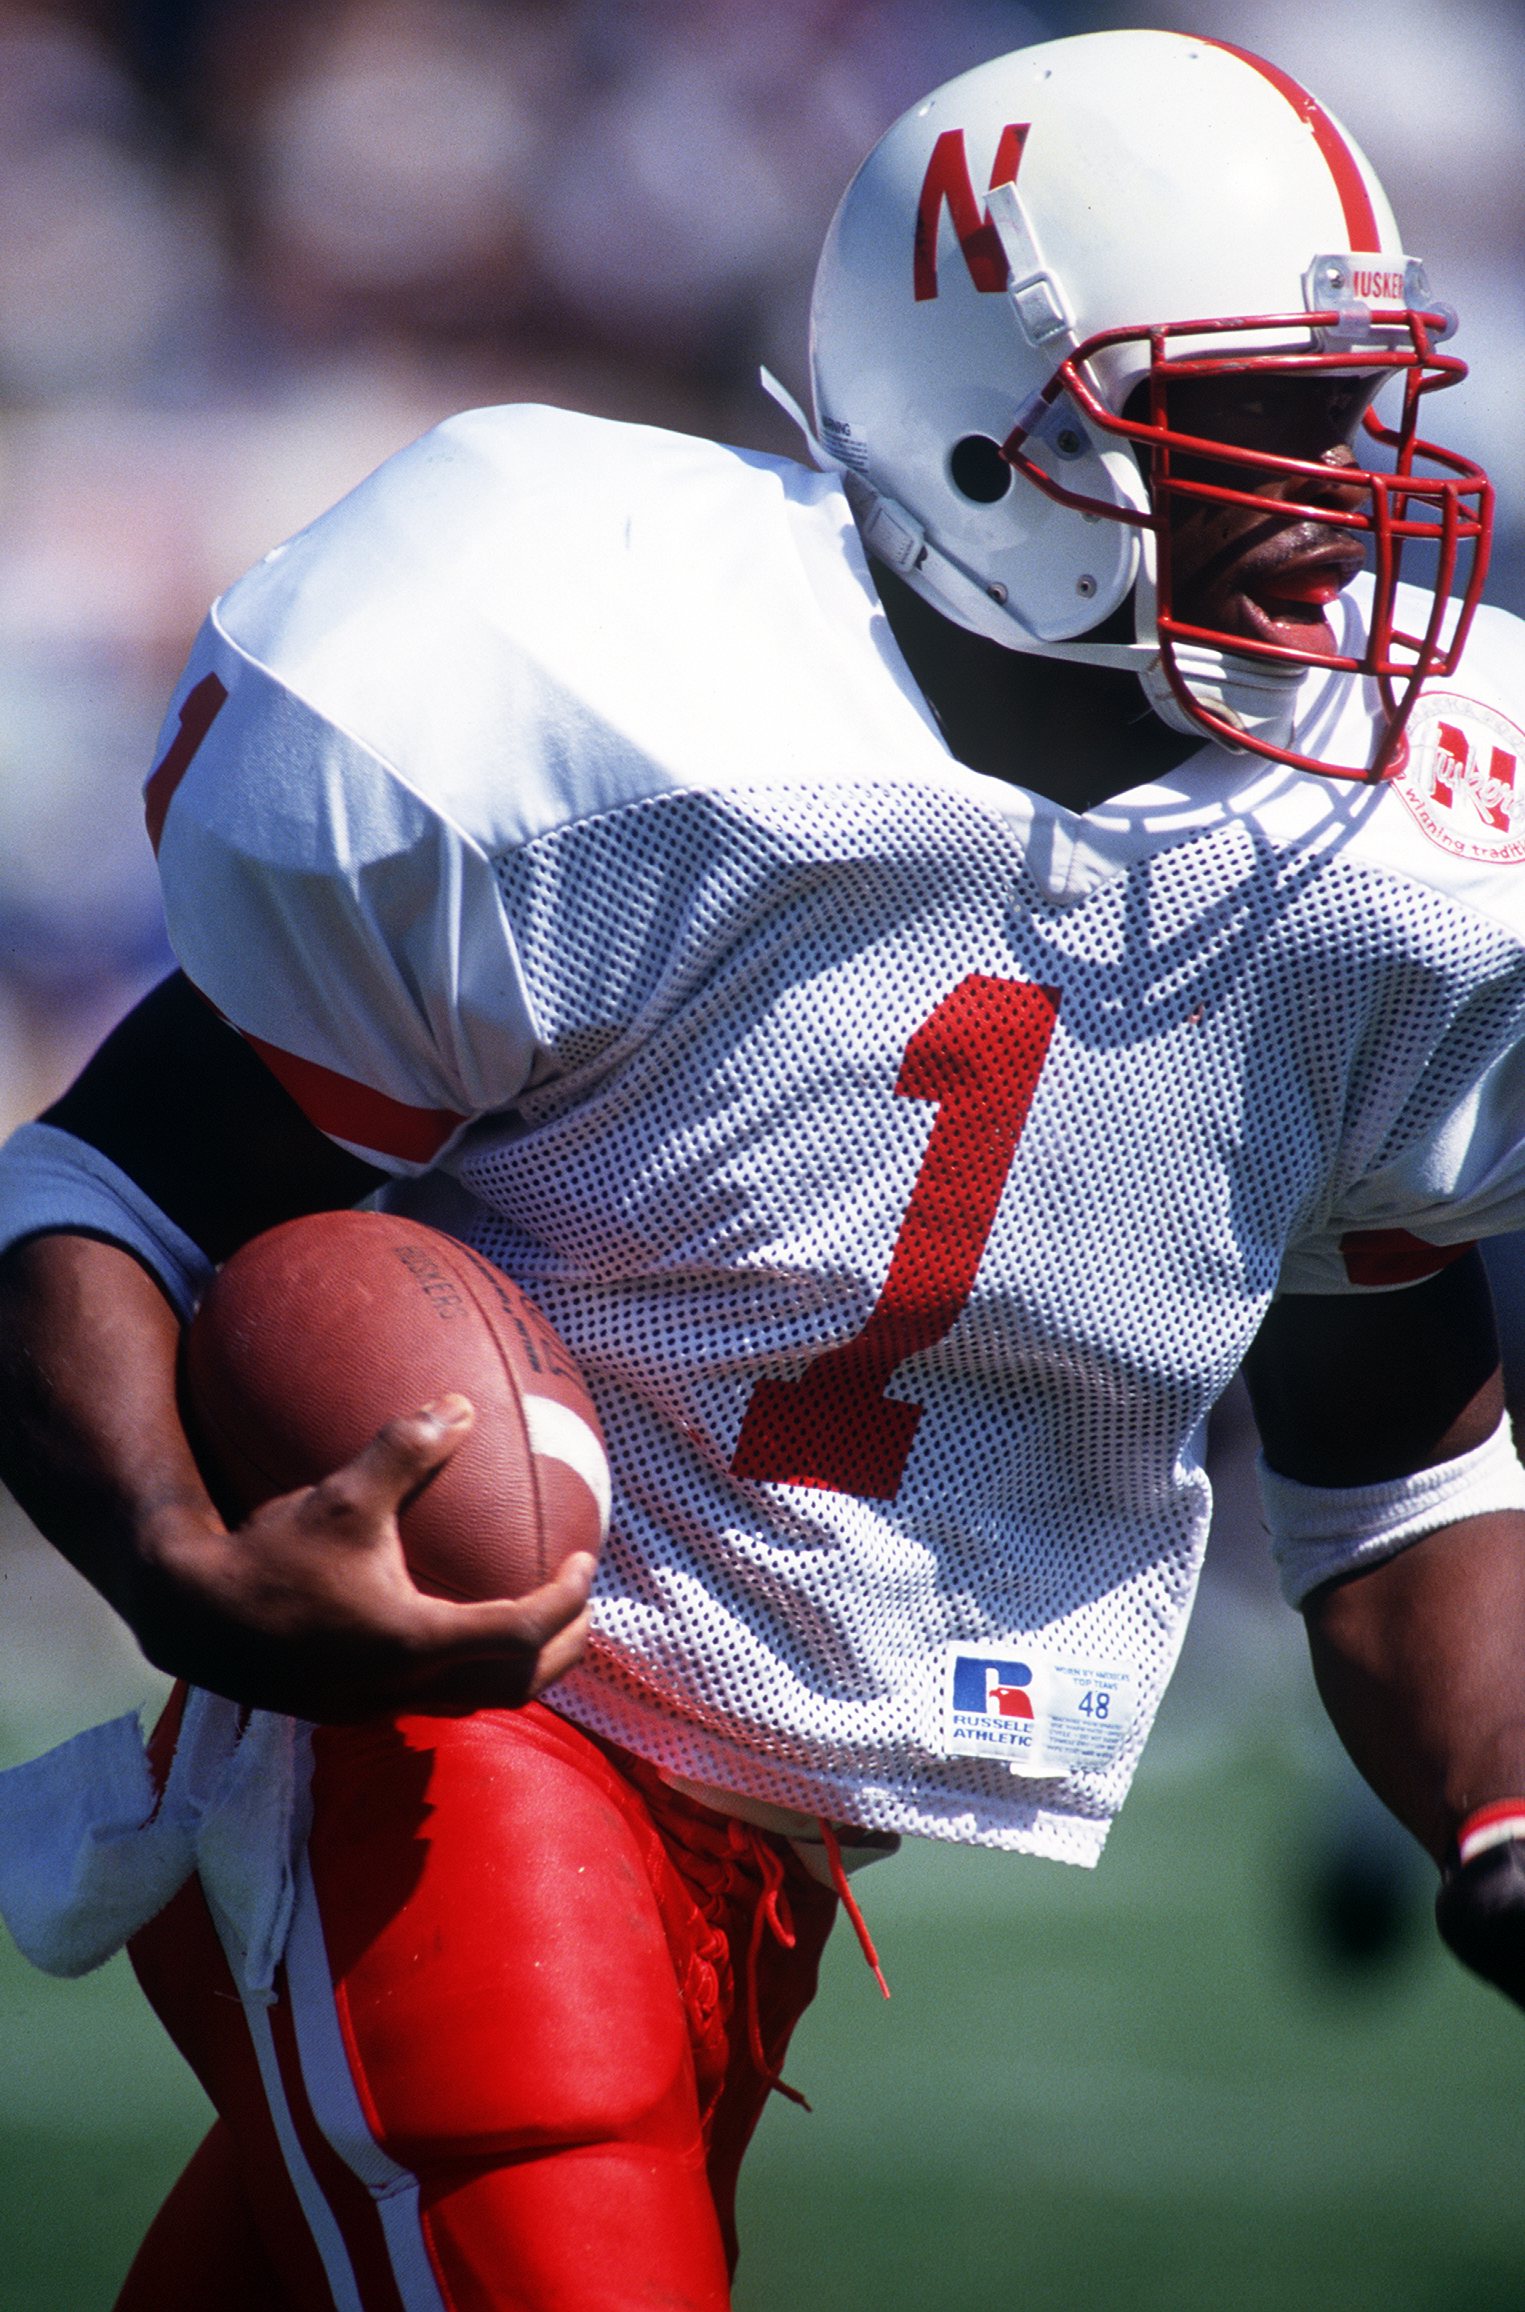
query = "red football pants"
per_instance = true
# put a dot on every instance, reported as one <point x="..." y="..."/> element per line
<point x="529" y="2014"/>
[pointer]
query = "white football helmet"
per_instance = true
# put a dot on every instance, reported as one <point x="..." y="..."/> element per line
<point x="1016" y="279"/>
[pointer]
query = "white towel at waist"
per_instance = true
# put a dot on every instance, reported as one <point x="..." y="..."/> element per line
<point x="87" y="1857"/>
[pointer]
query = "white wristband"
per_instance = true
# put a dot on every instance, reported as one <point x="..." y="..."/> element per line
<point x="1319" y="1531"/>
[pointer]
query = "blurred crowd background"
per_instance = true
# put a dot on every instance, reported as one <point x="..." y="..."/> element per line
<point x="248" y="247"/>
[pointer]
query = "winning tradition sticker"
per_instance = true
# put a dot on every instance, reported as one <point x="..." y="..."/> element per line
<point x="1040" y="1714"/>
<point x="1461" y="779"/>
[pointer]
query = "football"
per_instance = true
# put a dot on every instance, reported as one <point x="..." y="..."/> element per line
<point x="316" y="1333"/>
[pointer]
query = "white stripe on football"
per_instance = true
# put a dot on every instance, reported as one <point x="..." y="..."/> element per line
<point x="562" y="1435"/>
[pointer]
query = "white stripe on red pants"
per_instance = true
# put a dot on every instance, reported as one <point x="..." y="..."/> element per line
<point x="510" y="2061"/>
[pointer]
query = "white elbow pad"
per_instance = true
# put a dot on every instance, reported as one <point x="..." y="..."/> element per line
<point x="49" y="1180"/>
<point x="1319" y="1531"/>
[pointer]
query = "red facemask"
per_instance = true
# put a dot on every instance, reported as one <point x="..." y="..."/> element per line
<point x="1432" y="504"/>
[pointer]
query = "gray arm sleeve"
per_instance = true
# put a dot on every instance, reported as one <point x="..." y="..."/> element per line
<point x="51" y="1181"/>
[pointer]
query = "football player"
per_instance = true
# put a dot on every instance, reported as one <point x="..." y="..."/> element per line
<point x="922" y="966"/>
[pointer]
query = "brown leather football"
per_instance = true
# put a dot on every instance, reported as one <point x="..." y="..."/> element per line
<point x="317" y="1332"/>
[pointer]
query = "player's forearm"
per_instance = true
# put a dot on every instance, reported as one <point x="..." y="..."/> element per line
<point x="308" y="1606"/>
<point x="1421" y="1665"/>
<point x="90" y="1439"/>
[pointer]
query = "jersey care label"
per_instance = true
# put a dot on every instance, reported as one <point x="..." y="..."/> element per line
<point x="1041" y="1714"/>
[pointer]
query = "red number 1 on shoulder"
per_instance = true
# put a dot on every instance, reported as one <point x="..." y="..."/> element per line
<point x="979" y="1056"/>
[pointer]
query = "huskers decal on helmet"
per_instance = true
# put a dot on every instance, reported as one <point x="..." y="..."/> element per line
<point x="1374" y="288"/>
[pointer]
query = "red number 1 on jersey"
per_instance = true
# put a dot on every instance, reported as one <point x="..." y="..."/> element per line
<point x="979" y="1056"/>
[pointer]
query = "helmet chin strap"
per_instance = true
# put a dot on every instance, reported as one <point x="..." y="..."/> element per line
<point x="1258" y="699"/>
<point x="1255" y="697"/>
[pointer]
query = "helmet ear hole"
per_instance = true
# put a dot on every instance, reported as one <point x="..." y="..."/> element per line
<point x="978" y="471"/>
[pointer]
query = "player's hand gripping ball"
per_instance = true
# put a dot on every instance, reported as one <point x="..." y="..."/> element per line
<point x="316" y="1333"/>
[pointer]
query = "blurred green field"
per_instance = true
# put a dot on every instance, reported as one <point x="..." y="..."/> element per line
<point x="1142" y="2086"/>
<point x="1149" y="2090"/>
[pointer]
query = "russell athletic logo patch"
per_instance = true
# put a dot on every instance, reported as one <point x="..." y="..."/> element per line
<point x="1462" y="779"/>
<point x="1034" y="1711"/>
<point x="990" y="1708"/>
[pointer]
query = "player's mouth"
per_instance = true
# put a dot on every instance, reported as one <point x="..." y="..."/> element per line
<point x="1269" y="578"/>
<point x="1286" y="605"/>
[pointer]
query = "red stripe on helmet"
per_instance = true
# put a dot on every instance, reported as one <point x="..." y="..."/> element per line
<point x="1360" y="216"/>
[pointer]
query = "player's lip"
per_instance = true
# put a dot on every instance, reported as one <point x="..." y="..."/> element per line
<point x="1283" y="601"/>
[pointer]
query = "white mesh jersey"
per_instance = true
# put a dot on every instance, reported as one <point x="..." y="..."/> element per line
<point x="908" y="1161"/>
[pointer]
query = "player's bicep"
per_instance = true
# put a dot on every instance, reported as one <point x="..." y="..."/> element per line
<point x="1353" y="1389"/>
<point x="181" y="1103"/>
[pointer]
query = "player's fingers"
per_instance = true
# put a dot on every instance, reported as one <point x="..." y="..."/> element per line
<point x="497" y="1675"/>
<point x="518" y="1625"/>
<point x="544" y="1611"/>
<point x="396" y="1462"/>
<point x="458" y="1688"/>
<point x="466" y="1630"/>
<point x="561" y="1653"/>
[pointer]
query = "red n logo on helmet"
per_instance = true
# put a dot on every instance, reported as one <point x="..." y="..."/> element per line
<point x="948" y="180"/>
